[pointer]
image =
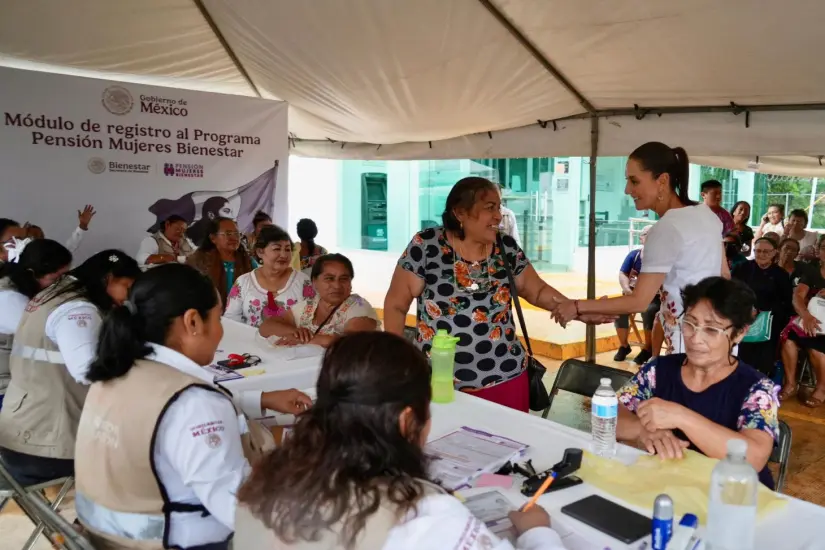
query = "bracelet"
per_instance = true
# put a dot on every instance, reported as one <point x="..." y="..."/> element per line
<point x="576" y="303"/>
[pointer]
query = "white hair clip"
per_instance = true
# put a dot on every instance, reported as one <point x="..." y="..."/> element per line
<point x="113" y="258"/>
<point x="15" y="249"/>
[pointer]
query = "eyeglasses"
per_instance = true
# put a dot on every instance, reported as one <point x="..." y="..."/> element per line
<point x="690" y="330"/>
<point x="765" y="251"/>
<point x="228" y="233"/>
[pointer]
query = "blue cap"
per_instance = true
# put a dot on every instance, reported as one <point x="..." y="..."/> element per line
<point x="689" y="520"/>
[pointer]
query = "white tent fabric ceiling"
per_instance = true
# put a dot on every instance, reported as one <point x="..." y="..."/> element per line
<point x="409" y="79"/>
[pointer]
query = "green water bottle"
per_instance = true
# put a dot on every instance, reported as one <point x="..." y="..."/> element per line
<point x="442" y="359"/>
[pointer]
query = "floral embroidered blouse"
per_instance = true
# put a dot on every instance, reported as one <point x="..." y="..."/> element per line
<point x="747" y="396"/>
<point x="250" y="303"/>
<point x="354" y="307"/>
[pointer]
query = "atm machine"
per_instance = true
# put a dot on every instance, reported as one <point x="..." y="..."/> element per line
<point x="374" y="211"/>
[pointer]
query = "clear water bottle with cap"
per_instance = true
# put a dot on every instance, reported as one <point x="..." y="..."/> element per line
<point x="732" y="507"/>
<point x="604" y="413"/>
<point x="442" y="361"/>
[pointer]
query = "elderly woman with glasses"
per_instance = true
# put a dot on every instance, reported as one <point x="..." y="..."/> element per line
<point x="703" y="398"/>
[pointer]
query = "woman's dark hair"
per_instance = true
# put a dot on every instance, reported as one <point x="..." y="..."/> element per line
<point x="212" y="229"/>
<point x="318" y="268"/>
<point x="270" y="234"/>
<point x="463" y="196"/>
<point x="157" y="298"/>
<point x="775" y="241"/>
<point x="771" y="242"/>
<point x="307" y="231"/>
<point x="799" y="213"/>
<point x="346" y="455"/>
<point x="212" y="206"/>
<point x="710" y="184"/>
<point x="729" y="298"/>
<point x="658" y="158"/>
<point x="260" y="217"/>
<point x="174" y="218"/>
<point x="91" y="278"/>
<point x="737" y="205"/>
<point x="6" y="223"/>
<point x="40" y="258"/>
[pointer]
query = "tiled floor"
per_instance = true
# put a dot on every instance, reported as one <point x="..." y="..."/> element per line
<point x="806" y="477"/>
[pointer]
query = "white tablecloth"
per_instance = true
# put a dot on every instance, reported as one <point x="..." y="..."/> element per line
<point x="798" y="526"/>
<point x="285" y="367"/>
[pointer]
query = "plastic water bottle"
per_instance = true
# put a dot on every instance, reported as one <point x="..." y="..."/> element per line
<point x="442" y="360"/>
<point x="732" y="507"/>
<point x="604" y="412"/>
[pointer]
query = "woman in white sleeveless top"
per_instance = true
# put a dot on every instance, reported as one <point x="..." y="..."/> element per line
<point x="684" y="247"/>
<point x="352" y="474"/>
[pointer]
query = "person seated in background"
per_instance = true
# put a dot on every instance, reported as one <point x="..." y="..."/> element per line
<point x="788" y="251"/>
<point x="353" y="472"/>
<point x="773" y="289"/>
<point x="795" y="229"/>
<point x="220" y="256"/>
<point x="32" y="266"/>
<point x="772" y="236"/>
<point x="712" y="197"/>
<point x="168" y="245"/>
<point x="733" y="250"/>
<point x="705" y="397"/>
<point x="161" y="450"/>
<point x="806" y="332"/>
<point x="332" y="312"/>
<point x="259" y="221"/>
<point x="274" y="287"/>
<point x="309" y="250"/>
<point x="741" y="214"/>
<point x="54" y="345"/>
<point x="772" y="221"/>
<point x="628" y="274"/>
<point x="9" y="230"/>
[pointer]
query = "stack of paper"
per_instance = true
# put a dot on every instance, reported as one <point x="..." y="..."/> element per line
<point x="460" y="456"/>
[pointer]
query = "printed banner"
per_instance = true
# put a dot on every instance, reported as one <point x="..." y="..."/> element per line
<point x="138" y="154"/>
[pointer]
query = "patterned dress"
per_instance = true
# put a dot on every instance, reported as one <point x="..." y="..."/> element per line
<point x="470" y="300"/>
<point x="250" y="303"/>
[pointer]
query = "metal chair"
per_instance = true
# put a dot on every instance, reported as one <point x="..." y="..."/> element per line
<point x="24" y="498"/>
<point x="582" y="378"/>
<point x="782" y="453"/>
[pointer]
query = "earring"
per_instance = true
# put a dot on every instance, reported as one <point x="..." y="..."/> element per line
<point x="194" y="334"/>
<point x="660" y="198"/>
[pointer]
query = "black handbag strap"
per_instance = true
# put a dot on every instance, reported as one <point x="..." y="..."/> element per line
<point x="324" y="323"/>
<point x="514" y="294"/>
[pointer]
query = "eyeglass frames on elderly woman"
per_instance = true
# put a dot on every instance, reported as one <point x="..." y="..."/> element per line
<point x="710" y="334"/>
<point x="228" y="234"/>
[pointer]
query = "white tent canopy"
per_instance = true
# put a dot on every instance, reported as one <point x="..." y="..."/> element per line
<point x="411" y="79"/>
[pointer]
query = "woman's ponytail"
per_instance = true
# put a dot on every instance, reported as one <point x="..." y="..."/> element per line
<point x="681" y="171"/>
<point x="119" y="345"/>
<point x="157" y="298"/>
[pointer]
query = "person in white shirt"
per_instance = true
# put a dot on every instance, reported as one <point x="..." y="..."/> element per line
<point x="169" y="244"/>
<point x="352" y="472"/>
<point x="795" y="229"/>
<point x="84" y="217"/>
<point x="270" y="290"/>
<point x="684" y="247"/>
<point x="509" y="224"/>
<point x="54" y="344"/>
<point x="161" y="450"/>
<point x="772" y="221"/>
<point x="31" y="267"/>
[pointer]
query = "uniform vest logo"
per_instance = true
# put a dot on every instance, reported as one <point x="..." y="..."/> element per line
<point x="96" y="165"/>
<point x="117" y="100"/>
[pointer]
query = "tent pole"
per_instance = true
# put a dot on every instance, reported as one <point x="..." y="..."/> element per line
<point x="590" y="330"/>
<point x="227" y="48"/>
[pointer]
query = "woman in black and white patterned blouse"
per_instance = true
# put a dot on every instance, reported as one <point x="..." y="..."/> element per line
<point x="457" y="275"/>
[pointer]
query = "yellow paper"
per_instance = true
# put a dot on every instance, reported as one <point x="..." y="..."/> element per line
<point x="686" y="481"/>
<point x="252" y="372"/>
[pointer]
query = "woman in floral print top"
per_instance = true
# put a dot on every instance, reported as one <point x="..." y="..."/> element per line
<point x="457" y="275"/>
<point x="270" y="290"/>
<point x="705" y="397"/>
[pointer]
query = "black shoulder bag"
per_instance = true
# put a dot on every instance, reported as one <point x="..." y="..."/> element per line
<point x="539" y="399"/>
